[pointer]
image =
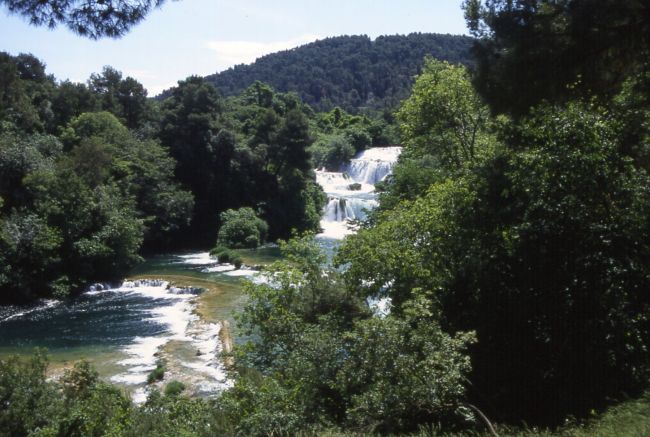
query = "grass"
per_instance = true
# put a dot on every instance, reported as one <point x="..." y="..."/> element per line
<point x="628" y="419"/>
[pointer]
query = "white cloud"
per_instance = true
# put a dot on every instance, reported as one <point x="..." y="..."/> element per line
<point x="230" y="53"/>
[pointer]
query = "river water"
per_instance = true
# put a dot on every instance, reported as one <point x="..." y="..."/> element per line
<point x="125" y="329"/>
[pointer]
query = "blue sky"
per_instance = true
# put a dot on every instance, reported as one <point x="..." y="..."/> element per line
<point x="188" y="37"/>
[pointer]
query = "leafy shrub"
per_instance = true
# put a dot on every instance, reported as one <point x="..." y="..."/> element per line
<point x="331" y="151"/>
<point x="315" y="357"/>
<point x="225" y="255"/>
<point x="156" y="374"/>
<point x="174" y="388"/>
<point x="359" y="138"/>
<point x="241" y="228"/>
<point x="27" y="398"/>
<point x="218" y="249"/>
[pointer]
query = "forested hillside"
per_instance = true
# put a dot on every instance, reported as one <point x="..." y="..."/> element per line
<point x="348" y="71"/>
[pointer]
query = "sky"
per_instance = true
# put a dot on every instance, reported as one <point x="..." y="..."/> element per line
<point x="201" y="37"/>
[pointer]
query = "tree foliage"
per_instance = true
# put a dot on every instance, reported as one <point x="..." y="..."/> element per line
<point x="539" y="249"/>
<point x="445" y="129"/>
<point x="353" y="72"/>
<point x="317" y="358"/>
<point x="530" y="51"/>
<point x="241" y="228"/>
<point x="93" y="174"/>
<point x="248" y="151"/>
<point x="96" y="19"/>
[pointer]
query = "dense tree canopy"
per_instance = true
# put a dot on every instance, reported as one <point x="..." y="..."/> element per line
<point x="538" y="242"/>
<point x="92" y="173"/>
<point x="529" y="51"/>
<point x="251" y="150"/>
<point x="540" y="249"/>
<point x="349" y="71"/>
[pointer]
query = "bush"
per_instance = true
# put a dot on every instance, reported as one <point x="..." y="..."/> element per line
<point x="358" y="137"/>
<point x="241" y="228"/>
<point x="331" y="152"/>
<point x="225" y="255"/>
<point x="217" y="250"/>
<point x="156" y="374"/>
<point x="174" y="388"/>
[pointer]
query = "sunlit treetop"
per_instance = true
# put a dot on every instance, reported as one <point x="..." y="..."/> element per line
<point x="90" y="18"/>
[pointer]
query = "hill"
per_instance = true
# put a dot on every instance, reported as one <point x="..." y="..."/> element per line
<point x="348" y="71"/>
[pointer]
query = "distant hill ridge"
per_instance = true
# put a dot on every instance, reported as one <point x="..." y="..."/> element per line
<point x="348" y="71"/>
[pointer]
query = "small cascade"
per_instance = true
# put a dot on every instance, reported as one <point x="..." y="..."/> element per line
<point x="351" y="192"/>
<point x="340" y="209"/>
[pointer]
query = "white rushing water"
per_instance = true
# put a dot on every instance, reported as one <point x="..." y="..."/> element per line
<point x="351" y="192"/>
<point x="174" y="309"/>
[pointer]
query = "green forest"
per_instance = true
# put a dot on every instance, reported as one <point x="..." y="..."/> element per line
<point x="353" y="72"/>
<point x="512" y="239"/>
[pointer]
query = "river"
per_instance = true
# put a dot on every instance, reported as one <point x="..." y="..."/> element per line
<point x="174" y="307"/>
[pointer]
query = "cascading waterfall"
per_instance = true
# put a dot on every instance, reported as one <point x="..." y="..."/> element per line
<point x="351" y="192"/>
<point x="339" y="209"/>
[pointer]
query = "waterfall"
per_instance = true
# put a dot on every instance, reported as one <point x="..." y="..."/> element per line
<point x="351" y="192"/>
<point x="339" y="209"/>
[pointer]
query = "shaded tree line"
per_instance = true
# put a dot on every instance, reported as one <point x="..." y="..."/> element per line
<point x="93" y="174"/>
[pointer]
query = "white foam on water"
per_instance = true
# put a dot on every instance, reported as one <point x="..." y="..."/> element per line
<point x="242" y="272"/>
<point x="197" y="259"/>
<point x="98" y="289"/>
<point x="219" y="268"/>
<point x="176" y="312"/>
<point x="177" y="316"/>
<point x="335" y="230"/>
<point x="130" y="378"/>
<point x="339" y="184"/>
<point x="142" y="360"/>
<point x="140" y="395"/>
<point x="43" y="304"/>
<point x="389" y="154"/>
<point x="340" y="209"/>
